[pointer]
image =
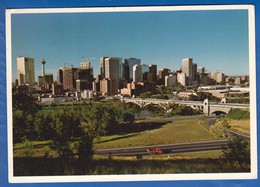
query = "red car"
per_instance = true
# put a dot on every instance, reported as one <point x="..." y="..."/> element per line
<point x="156" y="151"/>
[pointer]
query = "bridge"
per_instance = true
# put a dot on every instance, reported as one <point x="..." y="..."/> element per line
<point x="206" y="107"/>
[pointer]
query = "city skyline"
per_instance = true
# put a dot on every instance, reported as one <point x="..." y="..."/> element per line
<point x="164" y="38"/>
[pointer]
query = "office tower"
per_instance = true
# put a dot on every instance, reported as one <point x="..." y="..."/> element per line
<point x="161" y="75"/>
<point x="153" y="70"/>
<point x="113" y="68"/>
<point x="194" y="72"/>
<point x="48" y="78"/>
<point x="70" y="75"/>
<point x="220" y="77"/>
<point x="145" y="68"/>
<point x="181" y="78"/>
<point x="147" y="75"/>
<point x="102" y="67"/>
<point x="201" y="70"/>
<point x="113" y="71"/>
<point x="187" y="69"/>
<point x="137" y="73"/>
<point x="107" y="87"/>
<point x="60" y="76"/>
<point x="128" y="68"/>
<point x="85" y="65"/>
<point x="84" y="77"/>
<point x="85" y="72"/>
<point x="25" y="71"/>
<point x="171" y="80"/>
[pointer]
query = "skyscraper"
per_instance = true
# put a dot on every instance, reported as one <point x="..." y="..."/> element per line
<point x="153" y="70"/>
<point x="113" y="71"/>
<point x="194" y="72"/>
<point x="102" y="67"/>
<point x="85" y="77"/>
<point x="129" y="64"/>
<point x="162" y="73"/>
<point x="70" y="76"/>
<point x="137" y="73"/>
<point x="85" y="65"/>
<point x="25" y="71"/>
<point x="171" y="80"/>
<point x="187" y="69"/>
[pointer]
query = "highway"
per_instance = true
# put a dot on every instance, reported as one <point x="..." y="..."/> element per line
<point x="168" y="149"/>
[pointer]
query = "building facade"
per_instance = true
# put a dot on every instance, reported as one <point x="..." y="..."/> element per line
<point x="25" y="71"/>
<point x="137" y="73"/>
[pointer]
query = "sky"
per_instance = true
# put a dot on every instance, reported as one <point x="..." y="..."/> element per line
<point x="215" y="39"/>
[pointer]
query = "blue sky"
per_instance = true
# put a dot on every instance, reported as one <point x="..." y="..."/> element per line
<point x="215" y="39"/>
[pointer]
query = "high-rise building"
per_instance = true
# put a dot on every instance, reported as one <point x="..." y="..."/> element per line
<point x="107" y="87"/>
<point x="128" y="68"/>
<point x="70" y="75"/>
<point x="25" y="71"/>
<point x="153" y="70"/>
<point x="113" y="68"/>
<point x="181" y="78"/>
<point x="137" y="73"/>
<point x="220" y="77"/>
<point x="194" y="72"/>
<point x="145" y="68"/>
<point x="85" y="77"/>
<point x="187" y="68"/>
<point x="171" y="80"/>
<point x="113" y="71"/>
<point x="85" y="65"/>
<point x="201" y="70"/>
<point x="102" y="67"/>
<point x="161" y="75"/>
<point x="60" y="76"/>
<point x="126" y="71"/>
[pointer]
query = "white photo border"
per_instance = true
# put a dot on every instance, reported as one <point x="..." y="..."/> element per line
<point x="151" y="177"/>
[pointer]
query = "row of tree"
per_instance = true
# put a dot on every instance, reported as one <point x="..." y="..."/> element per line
<point x="72" y="129"/>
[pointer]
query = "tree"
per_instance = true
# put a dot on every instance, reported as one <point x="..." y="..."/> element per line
<point x="220" y="127"/>
<point x="145" y="95"/>
<point x="26" y="103"/>
<point x="44" y="124"/>
<point x="236" y="153"/>
<point x="61" y="139"/>
<point x="18" y="125"/>
<point x="161" y="89"/>
<point x="128" y="117"/>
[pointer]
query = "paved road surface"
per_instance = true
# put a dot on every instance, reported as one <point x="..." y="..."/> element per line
<point x="168" y="149"/>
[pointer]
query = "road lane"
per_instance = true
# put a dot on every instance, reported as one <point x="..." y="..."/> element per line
<point x="169" y="148"/>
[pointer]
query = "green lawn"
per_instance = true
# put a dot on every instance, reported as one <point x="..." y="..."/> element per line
<point x="175" y="132"/>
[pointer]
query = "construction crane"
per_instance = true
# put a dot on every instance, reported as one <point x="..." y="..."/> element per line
<point x="69" y="65"/>
<point x="85" y="59"/>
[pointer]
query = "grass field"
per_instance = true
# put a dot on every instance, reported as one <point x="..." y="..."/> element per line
<point x="189" y="163"/>
<point x="240" y="120"/>
<point x="175" y="132"/>
<point x="242" y="126"/>
<point x="239" y="114"/>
